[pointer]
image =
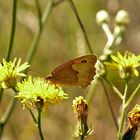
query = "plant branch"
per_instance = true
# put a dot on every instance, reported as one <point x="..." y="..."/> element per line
<point x="132" y="95"/>
<point x="123" y="113"/>
<point x="38" y="12"/>
<point x="32" y="114"/>
<point x="58" y="2"/>
<point x="7" y="114"/>
<point x="116" y="91"/>
<point x="109" y="104"/>
<point x="13" y="28"/>
<point x="90" y="91"/>
<point x="81" y="24"/>
<point x="37" y="36"/>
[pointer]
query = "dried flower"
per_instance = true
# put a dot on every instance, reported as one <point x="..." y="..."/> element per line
<point x="10" y="71"/>
<point x="80" y="107"/>
<point x="133" y="123"/>
<point x="39" y="93"/>
<point x="134" y="117"/>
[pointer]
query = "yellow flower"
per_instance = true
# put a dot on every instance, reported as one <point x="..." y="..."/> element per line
<point x="126" y="64"/>
<point x="10" y="71"/>
<point x="39" y="93"/>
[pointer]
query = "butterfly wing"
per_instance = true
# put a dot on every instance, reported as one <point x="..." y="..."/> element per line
<point x="76" y="72"/>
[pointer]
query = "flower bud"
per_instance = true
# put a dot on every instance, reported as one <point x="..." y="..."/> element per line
<point x="102" y="17"/>
<point x="80" y="107"/>
<point x="122" y="17"/>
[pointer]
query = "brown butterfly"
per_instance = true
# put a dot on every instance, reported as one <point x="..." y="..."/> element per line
<point x="76" y="72"/>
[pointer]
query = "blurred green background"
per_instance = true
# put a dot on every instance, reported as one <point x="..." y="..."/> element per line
<point x="61" y="40"/>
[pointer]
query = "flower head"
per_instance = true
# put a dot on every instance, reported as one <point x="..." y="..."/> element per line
<point x="80" y="107"/>
<point x="133" y="123"/>
<point x="10" y="71"/>
<point x="39" y="93"/>
<point x="134" y="117"/>
<point x="127" y="64"/>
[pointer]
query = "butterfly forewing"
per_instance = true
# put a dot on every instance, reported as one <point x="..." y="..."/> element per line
<point x="76" y="72"/>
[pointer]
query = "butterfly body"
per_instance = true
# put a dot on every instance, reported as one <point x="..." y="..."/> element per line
<point x="76" y="72"/>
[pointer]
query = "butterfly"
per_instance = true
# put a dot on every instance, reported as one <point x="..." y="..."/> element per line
<point x="76" y="72"/>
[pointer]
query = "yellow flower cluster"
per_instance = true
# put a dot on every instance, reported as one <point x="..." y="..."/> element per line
<point x="39" y="93"/>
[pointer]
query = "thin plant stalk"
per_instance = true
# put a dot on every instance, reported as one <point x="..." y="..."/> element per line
<point x="123" y="113"/>
<point x="39" y="12"/>
<point x="81" y="25"/>
<point x="7" y="115"/>
<point x="90" y="91"/>
<point x="39" y="124"/>
<point x="108" y="34"/>
<point x="132" y="95"/>
<point x="116" y="91"/>
<point x="37" y="36"/>
<point x="12" y="35"/>
<point x="110" y="105"/>
<point x="58" y="2"/>
<point x="32" y="114"/>
<point x="82" y="137"/>
<point x="42" y="22"/>
<point x="13" y="28"/>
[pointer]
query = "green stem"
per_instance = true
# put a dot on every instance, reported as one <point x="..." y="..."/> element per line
<point x="116" y="91"/>
<point x="81" y="24"/>
<point x="39" y="124"/>
<point x="90" y="91"/>
<point x="82" y="128"/>
<point x="132" y="95"/>
<point x="1" y="94"/>
<point x="12" y="35"/>
<point x="37" y="36"/>
<point x="123" y="113"/>
<point x="111" y="38"/>
<point x="109" y="104"/>
<point x="58" y="2"/>
<point x="32" y="114"/>
<point x="108" y="34"/>
<point x="111" y="41"/>
<point x="82" y="137"/>
<point x="7" y="114"/>
<point x="13" y="28"/>
<point x="38" y="12"/>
